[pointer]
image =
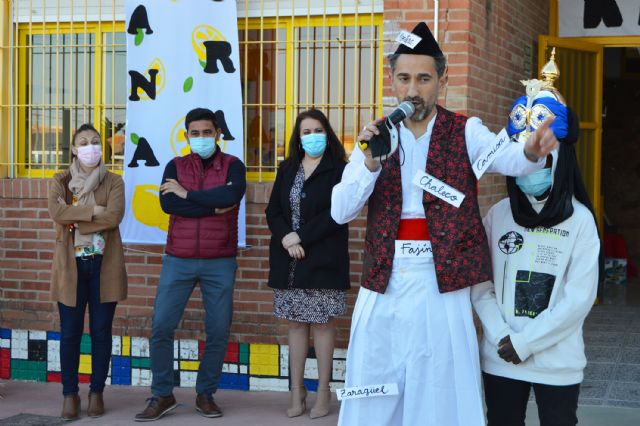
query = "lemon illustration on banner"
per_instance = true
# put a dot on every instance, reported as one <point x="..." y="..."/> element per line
<point x="161" y="78"/>
<point x="146" y="207"/>
<point x="203" y="33"/>
<point x="178" y="141"/>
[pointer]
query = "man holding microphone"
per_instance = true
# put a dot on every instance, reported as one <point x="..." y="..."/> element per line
<point x="412" y="327"/>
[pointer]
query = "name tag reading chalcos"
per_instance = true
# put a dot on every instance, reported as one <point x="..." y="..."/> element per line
<point x="356" y="392"/>
<point x="438" y="188"/>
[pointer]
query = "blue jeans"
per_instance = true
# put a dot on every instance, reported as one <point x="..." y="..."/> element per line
<point x="72" y="325"/>
<point x="177" y="280"/>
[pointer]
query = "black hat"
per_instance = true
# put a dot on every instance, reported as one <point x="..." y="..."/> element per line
<point x="427" y="46"/>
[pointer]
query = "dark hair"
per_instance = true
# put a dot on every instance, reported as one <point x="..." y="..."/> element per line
<point x="198" y="114"/>
<point x="82" y="128"/>
<point x="441" y="62"/>
<point x="334" y="147"/>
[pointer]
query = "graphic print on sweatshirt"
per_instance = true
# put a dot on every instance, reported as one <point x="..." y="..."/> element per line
<point x="511" y="242"/>
<point x="533" y="291"/>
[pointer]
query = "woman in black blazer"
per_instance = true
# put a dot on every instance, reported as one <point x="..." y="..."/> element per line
<point x="308" y="255"/>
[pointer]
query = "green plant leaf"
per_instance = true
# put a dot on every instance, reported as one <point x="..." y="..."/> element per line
<point x="135" y="138"/>
<point x="139" y="37"/>
<point x="188" y="84"/>
<point x="203" y="63"/>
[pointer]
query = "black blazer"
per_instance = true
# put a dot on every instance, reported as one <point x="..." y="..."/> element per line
<point x="325" y="243"/>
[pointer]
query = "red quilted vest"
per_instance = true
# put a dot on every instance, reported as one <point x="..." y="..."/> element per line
<point x="206" y="237"/>
<point x="460" y="248"/>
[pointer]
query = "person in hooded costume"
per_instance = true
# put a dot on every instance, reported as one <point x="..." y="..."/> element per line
<point x="412" y="326"/>
<point x="545" y="253"/>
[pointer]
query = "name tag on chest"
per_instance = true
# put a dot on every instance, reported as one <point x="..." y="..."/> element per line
<point x="417" y="249"/>
<point x="438" y="188"/>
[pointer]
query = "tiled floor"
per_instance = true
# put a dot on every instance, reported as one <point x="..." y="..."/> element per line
<point x="612" y="341"/>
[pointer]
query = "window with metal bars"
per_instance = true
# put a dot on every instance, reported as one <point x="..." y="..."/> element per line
<point x="69" y="67"/>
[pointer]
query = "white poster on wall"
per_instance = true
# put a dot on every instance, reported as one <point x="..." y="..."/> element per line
<point x="597" y="18"/>
<point x="180" y="55"/>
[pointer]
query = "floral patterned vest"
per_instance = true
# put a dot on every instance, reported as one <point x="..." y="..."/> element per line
<point x="460" y="249"/>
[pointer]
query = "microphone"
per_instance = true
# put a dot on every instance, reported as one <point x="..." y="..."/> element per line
<point x="386" y="142"/>
<point x="404" y="110"/>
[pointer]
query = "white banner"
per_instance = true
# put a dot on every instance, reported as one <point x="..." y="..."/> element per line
<point x="180" y="55"/>
<point x="596" y="18"/>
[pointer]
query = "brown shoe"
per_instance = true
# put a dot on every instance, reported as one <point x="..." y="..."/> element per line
<point x="157" y="407"/>
<point x="207" y="407"/>
<point x="96" y="405"/>
<point x="323" y="399"/>
<point x="70" y="407"/>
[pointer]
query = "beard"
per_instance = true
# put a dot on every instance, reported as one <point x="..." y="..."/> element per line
<point x="423" y="110"/>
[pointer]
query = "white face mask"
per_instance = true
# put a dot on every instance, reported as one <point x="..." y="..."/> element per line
<point x="89" y="155"/>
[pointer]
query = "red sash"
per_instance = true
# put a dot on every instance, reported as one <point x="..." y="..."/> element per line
<point x="413" y="229"/>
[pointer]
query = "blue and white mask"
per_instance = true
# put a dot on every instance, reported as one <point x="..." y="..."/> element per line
<point x="543" y="106"/>
<point x="536" y="183"/>
<point x="314" y="144"/>
<point x="203" y="146"/>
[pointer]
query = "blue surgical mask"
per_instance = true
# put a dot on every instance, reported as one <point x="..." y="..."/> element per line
<point x="314" y="144"/>
<point x="536" y="183"/>
<point x="204" y="146"/>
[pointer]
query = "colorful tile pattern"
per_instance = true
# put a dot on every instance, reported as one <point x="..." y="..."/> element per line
<point x="35" y="355"/>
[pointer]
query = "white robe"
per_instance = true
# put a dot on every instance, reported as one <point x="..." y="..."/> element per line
<point x="413" y="335"/>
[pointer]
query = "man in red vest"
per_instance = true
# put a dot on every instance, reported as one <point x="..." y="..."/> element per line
<point x="201" y="192"/>
<point x="412" y="331"/>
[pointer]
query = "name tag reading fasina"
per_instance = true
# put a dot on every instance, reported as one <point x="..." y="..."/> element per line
<point x="438" y="188"/>
<point x="413" y="249"/>
<point x="387" y="389"/>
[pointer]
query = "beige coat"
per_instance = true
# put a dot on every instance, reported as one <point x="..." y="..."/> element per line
<point x="64" y="273"/>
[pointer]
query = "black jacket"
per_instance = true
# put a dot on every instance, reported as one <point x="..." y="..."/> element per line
<point x="325" y="243"/>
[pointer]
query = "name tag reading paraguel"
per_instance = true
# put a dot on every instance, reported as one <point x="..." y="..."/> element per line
<point x="438" y="188"/>
<point x="490" y="153"/>
<point x="387" y="389"/>
<point x="417" y="249"/>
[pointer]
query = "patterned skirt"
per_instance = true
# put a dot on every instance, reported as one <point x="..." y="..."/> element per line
<point x="312" y="306"/>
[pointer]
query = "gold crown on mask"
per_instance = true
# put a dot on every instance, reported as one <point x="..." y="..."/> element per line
<point x="549" y="74"/>
<point x="550" y="71"/>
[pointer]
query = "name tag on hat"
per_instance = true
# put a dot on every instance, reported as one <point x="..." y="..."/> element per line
<point x="490" y="153"/>
<point x="408" y="39"/>
<point x="416" y="249"/>
<point x="438" y="188"/>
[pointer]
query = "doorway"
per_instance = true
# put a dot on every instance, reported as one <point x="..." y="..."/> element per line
<point x="620" y="181"/>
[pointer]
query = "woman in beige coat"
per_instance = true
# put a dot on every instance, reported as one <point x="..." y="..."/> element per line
<point x="86" y="203"/>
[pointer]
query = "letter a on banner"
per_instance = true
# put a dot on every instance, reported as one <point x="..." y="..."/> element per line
<point x="180" y="56"/>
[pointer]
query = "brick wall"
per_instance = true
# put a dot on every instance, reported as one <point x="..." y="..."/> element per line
<point x="503" y="44"/>
<point x="26" y="249"/>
